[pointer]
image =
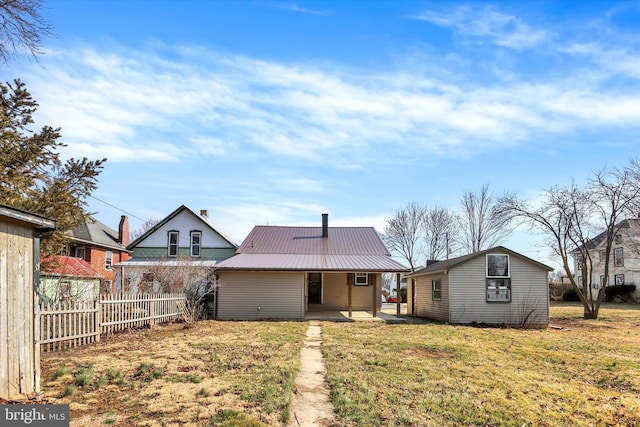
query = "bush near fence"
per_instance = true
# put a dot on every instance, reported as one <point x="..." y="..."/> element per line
<point x="73" y="324"/>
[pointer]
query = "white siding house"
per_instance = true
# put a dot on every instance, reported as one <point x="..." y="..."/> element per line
<point x="495" y="286"/>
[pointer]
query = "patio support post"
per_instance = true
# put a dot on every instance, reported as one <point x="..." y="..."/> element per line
<point x="398" y="295"/>
<point x="375" y="288"/>
<point x="349" y="285"/>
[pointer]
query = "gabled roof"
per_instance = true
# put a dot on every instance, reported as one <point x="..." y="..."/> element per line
<point x="446" y="265"/>
<point x="304" y="249"/>
<point x="602" y="237"/>
<point x="93" y="232"/>
<point x="172" y="215"/>
<point x="70" y="267"/>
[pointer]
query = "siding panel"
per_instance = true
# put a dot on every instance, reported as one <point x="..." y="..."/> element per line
<point x="280" y="295"/>
<point x="425" y="305"/>
<point x="529" y="293"/>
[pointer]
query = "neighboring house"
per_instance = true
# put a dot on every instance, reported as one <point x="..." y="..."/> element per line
<point x="286" y="272"/>
<point x="624" y="262"/>
<point x="69" y="279"/>
<point x="182" y="248"/>
<point x="494" y="286"/>
<point x="102" y="247"/>
<point x="19" y="256"/>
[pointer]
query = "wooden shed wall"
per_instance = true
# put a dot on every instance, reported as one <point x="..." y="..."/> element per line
<point x="529" y="291"/>
<point x="19" y="363"/>
<point x="425" y="305"/>
<point x="280" y="295"/>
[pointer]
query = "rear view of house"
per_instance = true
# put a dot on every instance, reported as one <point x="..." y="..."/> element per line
<point x="494" y="286"/>
<point x="286" y="272"/>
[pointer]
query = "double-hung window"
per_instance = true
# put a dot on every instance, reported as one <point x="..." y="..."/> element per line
<point x="196" y="242"/>
<point x="172" y="246"/>
<point x="108" y="260"/>
<point x="436" y="289"/>
<point x="498" y="280"/>
<point x="618" y="257"/>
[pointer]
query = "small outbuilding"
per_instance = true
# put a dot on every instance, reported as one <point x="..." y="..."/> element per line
<point x="19" y="255"/>
<point x="496" y="286"/>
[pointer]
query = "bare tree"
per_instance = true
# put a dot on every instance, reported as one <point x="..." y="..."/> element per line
<point x="21" y="27"/>
<point x="571" y="216"/>
<point x="403" y="232"/>
<point x="482" y="226"/>
<point x="198" y="281"/>
<point x="441" y="228"/>
<point x="614" y="193"/>
<point x="146" y="226"/>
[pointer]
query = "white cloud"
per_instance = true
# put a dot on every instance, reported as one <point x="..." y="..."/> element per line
<point x="486" y="23"/>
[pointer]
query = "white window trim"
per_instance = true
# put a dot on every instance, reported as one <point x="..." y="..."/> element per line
<point x="508" y="273"/>
<point x="360" y="275"/>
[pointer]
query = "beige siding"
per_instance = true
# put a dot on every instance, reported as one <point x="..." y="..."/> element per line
<point x="335" y="292"/>
<point x="529" y="294"/>
<point x="425" y="305"/>
<point x="19" y="368"/>
<point x="280" y="295"/>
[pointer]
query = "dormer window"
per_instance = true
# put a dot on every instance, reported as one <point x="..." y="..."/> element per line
<point x="172" y="249"/>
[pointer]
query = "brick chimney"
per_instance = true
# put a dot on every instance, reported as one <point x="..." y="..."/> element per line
<point x="325" y="225"/>
<point x="123" y="230"/>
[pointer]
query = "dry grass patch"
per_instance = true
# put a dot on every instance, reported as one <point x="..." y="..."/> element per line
<point x="214" y="373"/>
<point x="440" y="375"/>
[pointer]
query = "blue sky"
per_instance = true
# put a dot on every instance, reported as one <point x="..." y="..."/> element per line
<point x="273" y="112"/>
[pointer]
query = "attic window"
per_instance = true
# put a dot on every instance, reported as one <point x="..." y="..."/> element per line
<point x="362" y="279"/>
<point x="498" y="265"/>
<point x="172" y="249"/>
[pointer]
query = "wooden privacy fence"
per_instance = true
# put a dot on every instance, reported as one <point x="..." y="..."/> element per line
<point x="73" y="324"/>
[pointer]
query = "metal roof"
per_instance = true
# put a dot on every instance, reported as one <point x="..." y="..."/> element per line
<point x="313" y="262"/>
<point x="304" y="249"/>
<point x="71" y="267"/>
<point x="309" y="240"/>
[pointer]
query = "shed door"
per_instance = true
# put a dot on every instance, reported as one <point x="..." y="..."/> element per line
<point x="315" y="288"/>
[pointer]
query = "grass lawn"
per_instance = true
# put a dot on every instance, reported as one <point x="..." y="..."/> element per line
<point x="215" y="373"/>
<point x="586" y="374"/>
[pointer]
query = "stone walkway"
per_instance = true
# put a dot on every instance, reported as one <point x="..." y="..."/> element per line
<point x="311" y="405"/>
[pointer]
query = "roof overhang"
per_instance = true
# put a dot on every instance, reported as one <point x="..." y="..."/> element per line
<point x="38" y="222"/>
<point x="312" y="262"/>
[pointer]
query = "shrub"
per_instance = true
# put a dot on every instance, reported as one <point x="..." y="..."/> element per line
<point x="619" y="293"/>
<point x="570" y="295"/>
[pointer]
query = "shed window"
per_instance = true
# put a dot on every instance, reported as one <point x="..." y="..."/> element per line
<point x="362" y="279"/>
<point x="172" y="244"/>
<point x="436" y="289"/>
<point x="498" y="290"/>
<point x="497" y="265"/>
<point x="196" y="241"/>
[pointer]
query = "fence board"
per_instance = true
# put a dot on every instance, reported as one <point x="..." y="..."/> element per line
<point x="69" y="325"/>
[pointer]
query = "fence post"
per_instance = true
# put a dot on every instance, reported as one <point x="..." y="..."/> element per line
<point x="97" y="319"/>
